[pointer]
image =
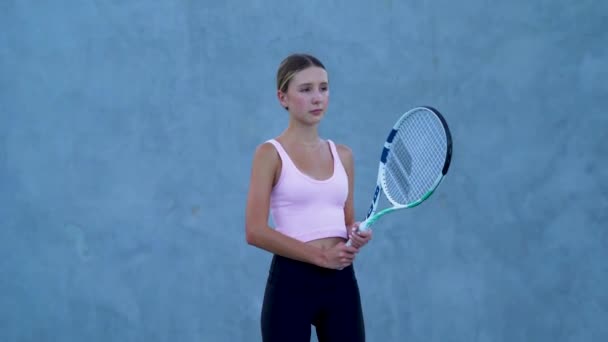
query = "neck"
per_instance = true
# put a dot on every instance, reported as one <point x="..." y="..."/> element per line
<point x="302" y="134"/>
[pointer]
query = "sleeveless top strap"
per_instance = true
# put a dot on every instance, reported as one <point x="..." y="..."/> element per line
<point x="285" y="159"/>
<point x="334" y="152"/>
<point x="278" y="147"/>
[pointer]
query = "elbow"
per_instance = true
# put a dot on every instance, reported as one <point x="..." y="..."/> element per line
<point x="256" y="235"/>
<point x="251" y="236"/>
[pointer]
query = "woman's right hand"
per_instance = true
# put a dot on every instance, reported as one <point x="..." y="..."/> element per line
<point x="340" y="256"/>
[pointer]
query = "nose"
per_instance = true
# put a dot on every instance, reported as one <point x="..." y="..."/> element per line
<point x="316" y="97"/>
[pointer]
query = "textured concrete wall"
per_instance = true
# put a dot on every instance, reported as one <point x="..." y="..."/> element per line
<point x="127" y="130"/>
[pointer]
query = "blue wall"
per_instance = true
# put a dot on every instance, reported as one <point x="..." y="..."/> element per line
<point x="127" y="131"/>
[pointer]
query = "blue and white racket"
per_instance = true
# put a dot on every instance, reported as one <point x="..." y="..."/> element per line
<point x="415" y="159"/>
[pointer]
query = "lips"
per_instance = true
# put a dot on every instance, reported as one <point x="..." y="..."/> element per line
<point x="316" y="111"/>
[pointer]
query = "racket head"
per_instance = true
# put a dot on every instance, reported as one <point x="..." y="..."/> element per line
<point x="416" y="156"/>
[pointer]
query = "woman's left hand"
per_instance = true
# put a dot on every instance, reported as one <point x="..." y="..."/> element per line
<point x="359" y="239"/>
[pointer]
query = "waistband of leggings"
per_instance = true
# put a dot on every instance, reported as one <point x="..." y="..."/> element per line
<point x="281" y="265"/>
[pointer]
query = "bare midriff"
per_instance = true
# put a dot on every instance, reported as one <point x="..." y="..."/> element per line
<point x="326" y="243"/>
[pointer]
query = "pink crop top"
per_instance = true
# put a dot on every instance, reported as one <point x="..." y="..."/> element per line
<point x="306" y="208"/>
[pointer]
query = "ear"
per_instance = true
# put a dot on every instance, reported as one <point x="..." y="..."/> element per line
<point x="282" y="98"/>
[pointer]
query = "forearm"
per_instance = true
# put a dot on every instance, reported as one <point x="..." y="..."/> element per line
<point x="275" y="242"/>
<point x="349" y="230"/>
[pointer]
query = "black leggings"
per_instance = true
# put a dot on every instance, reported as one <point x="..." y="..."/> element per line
<point x="299" y="295"/>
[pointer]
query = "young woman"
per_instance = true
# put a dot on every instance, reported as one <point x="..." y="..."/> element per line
<point x="306" y="184"/>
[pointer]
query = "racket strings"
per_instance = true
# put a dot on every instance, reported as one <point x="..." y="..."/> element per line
<point x="416" y="158"/>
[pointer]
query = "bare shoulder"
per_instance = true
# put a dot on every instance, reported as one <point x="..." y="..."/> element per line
<point x="265" y="152"/>
<point x="265" y="165"/>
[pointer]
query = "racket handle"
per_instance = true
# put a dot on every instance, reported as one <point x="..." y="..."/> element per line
<point x="363" y="226"/>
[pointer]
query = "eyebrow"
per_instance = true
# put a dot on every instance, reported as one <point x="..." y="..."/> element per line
<point x="309" y="84"/>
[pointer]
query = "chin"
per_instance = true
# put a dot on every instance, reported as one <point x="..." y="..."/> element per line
<point x="310" y="119"/>
<point x="315" y="119"/>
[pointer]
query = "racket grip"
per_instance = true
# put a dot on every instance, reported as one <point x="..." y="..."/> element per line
<point x="363" y="226"/>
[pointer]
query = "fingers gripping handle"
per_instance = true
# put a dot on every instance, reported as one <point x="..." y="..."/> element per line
<point x="363" y="226"/>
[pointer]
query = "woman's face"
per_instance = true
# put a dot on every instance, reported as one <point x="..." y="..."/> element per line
<point x="307" y="96"/>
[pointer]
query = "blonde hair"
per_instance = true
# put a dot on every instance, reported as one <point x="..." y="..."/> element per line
<point x="292" y="65"/>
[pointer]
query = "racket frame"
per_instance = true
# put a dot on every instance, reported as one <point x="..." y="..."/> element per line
<point x="371" y="217"/>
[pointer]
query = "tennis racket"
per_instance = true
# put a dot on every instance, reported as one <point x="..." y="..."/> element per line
<point x="415" y="159"/>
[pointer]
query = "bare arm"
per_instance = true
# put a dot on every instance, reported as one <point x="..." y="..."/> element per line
<point x="346" y="156"/>
<point x="358" y="239"/>
<point x="258" y="233"/>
